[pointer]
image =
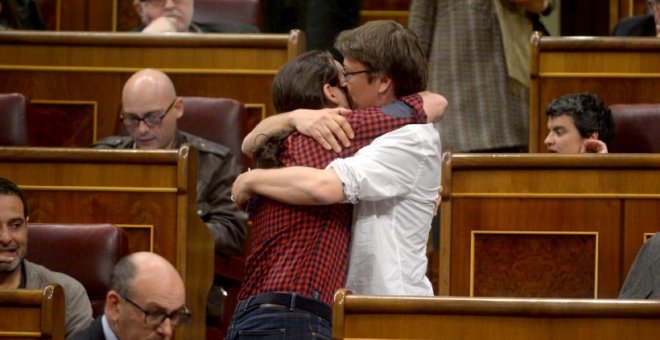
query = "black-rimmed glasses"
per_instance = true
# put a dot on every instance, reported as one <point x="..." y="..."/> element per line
<point x="152" y="119"/>
<point x="347" y="74"/>
<point x="177" y="318"/>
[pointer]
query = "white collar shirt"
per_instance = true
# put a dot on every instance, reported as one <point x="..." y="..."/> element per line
<point x="395" y="179"/>
<point x="107" y="331"/>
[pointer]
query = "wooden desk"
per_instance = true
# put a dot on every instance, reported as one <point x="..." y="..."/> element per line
<point x="32" y="313"/>
<point x="150" y="194"/>
<point x="372" y="317"/>
<point x="74" y="79"/>
<point x="618" y="70"/>
<point x="544" y="225"/>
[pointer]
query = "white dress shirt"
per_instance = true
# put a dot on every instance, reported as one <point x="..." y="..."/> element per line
<point x="395" y="179"/>
<point x="107" y="331"/>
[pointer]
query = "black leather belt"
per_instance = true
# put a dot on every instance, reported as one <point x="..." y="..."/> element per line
<point x="287" y="300"/>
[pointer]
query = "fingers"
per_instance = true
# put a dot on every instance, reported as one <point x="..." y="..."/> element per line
<point x="161" y="24"/>
<point x="326" y="139"/>
<point x="593" y="146"/>
<point x="239" y="194"/>
<point x="334" y="132"/>
<point x="438" y="201"/>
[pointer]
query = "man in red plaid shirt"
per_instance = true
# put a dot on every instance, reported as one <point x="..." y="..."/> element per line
<point x="299" y="255"/>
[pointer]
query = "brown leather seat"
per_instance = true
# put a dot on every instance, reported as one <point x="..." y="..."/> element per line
<point x="637" y="128"/>
<point x="13" y="119"/>
<point x="86" y="252"/>
<point x="220" y="120"/>
<point x="240" y="11"/>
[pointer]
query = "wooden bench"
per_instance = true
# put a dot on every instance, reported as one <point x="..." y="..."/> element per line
<point x="544" y="225"/>
<point x="618" y="70"/>
<point x="150" y="194"/>
<point x="32" y="313"/>
<point x="74" y="79"/>
<point x="378" y="317"/>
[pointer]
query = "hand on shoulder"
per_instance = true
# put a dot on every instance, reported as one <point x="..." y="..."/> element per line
<point x="329" y="127"/>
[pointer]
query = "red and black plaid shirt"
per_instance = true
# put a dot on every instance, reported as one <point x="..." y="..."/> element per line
<point x="304" y="249"/>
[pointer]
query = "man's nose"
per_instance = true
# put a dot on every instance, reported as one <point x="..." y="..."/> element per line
<point x="143" y="127"/>
<point x="5" y="237"/>
<point x="166" y="329"/>
<point x="548" y="139"/>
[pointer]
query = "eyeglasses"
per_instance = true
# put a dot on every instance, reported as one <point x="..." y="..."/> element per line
<point x="654" y="4"/>
<point x="177" y="318"/>
<point x="348" y="74"/>
<point x="152" y="119"/>
<point x="161" y="3"/>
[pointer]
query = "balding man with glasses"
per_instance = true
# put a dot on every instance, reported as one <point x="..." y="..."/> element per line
<point x="160" y="16"/>
<point x="150" y="110"/>
<point x="146" y="300"/>
<point x="647" y="25"/>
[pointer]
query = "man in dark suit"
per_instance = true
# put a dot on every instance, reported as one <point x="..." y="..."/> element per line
<point x="647" y="25"/>
<point x="146" y="300"/>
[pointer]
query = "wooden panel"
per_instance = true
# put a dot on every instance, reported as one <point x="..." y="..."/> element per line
<point x="642" y="220"/>
<point x="92" y="67"/>
<point x="378" y="317"/>
<point x="611" y="196"/>
<point x="88" y="15"/>
<point x="628" y="8"/>
<point x="70" y="123"/>
<point x="149" y="193"/>
<point x="32" y="313"/>
<point x="396" y="10"/>
<point x="537" y="264"/>
<point x="618" y="70"/>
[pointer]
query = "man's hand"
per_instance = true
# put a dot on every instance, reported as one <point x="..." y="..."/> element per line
<point x="240" y="190"/>
<point x="329" y="127"/>
<point x="593" y="146"/>
<point x="438" y="201"/>
<point x="435" y="106"/>
<point x="161" y="25"/>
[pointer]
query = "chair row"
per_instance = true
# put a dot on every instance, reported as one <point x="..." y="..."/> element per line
<point x="225" y="121"/>
<point x="221" y="120"/>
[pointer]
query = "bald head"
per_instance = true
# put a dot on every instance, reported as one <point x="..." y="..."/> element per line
<point x="139" y="270"/>
<point x="149" y="93"/>
<point x="150" y="83"/>
<point x="140" y="282"/>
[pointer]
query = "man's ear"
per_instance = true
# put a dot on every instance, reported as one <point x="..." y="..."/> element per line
<point x="178" y="107"/>
<point x="330" y="95"/>
<point x="385" y="84"/>
<point x="112" y="304"/>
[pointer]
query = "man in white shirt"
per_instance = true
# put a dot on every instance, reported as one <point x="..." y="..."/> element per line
<point x="395" y="179"/>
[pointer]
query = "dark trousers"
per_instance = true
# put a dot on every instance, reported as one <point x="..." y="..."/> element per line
<point x="280" y="316"/>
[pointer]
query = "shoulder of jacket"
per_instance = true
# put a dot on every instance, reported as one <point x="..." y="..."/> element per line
<point x="206" y="146"/>
<point x="113" y="142"/>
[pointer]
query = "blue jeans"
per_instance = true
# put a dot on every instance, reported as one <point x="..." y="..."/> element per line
<point x="271" y="321"/>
